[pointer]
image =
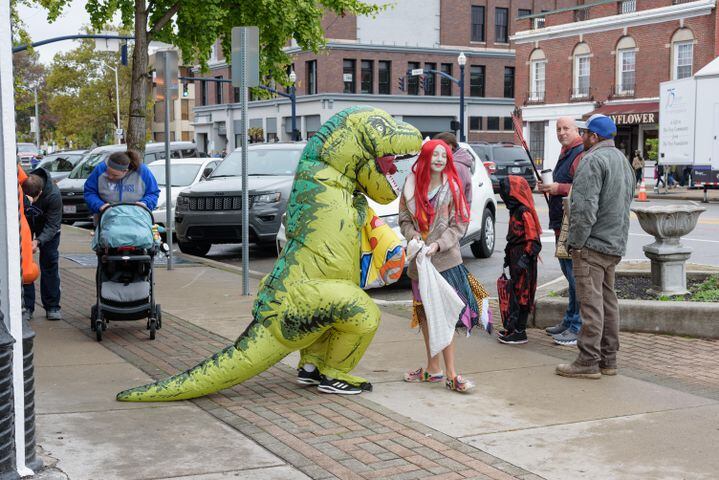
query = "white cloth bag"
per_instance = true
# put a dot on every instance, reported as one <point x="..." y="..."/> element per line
<point x="442" y="305"/>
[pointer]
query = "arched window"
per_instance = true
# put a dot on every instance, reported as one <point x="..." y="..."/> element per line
<point x="581" y="60"/>
<point x="682" y="53"/>
<point x="537" y="68"/>
<point x="626" y="66"/>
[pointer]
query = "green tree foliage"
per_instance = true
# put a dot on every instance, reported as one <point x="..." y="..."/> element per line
<point x="194" y="26"/>
<point x="28" y="73"/>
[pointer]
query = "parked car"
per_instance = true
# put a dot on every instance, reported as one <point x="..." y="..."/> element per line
<point x="480" y="234"/>
<point x="210" y="212"/>
<point x="185" y="172"/>
<point x="503" y="159"/>
<point x="60" y="164"/>
<point x="28" y="155"/>
<point x="72" y="188"/>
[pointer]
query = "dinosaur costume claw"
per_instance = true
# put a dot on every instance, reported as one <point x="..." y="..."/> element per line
<point x="311" y="300"/>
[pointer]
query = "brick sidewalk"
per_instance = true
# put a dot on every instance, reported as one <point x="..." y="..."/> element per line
<point x="324" y="436"/>
<point x="687" y="364"/>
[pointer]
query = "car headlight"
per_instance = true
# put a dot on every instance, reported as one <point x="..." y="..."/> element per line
<point x="183" y="203"/>
<point x="268" y="198"/>
<point x="391" y="220"/>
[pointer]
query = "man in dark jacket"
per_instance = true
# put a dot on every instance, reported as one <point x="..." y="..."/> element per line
<point x="602" y="193"/>
<point x="44" y="217"/>
<point x="565" y="333"/>
<point x="463" y="162"/>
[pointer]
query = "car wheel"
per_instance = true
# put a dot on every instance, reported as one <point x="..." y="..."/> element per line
<point x="484" y="247"/>
<point x="199" y="249"/>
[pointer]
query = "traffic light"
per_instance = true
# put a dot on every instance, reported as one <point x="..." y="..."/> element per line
<point x="401" y="83"/>
<point x="185" y="89"/>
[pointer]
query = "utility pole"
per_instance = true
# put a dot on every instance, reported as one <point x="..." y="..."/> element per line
<point x="118" y="135"/>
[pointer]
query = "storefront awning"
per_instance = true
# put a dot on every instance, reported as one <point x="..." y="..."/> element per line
<point x="639" y="113"/>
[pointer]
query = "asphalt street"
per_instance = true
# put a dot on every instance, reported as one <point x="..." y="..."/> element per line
<point x="704" y="240"/>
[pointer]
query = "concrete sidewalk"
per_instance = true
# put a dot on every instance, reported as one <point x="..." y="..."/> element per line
<point x="521" y="422"/>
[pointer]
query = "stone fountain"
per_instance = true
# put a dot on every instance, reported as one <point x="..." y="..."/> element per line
<point x="668" y="223"/>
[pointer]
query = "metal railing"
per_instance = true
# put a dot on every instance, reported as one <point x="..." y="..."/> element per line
<point x="535" y="97"/>
<point x="538" y="22"/>
<point x="624" y="89"/>
<point x="581" y="15"/>
<point x="628" y="6"/>
<point x="580" y="93"/>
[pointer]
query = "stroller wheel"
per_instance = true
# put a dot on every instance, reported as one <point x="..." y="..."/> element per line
<point x="153" y="328"/>
<point x="99" y="327"/>
<point x="158" y="315"/>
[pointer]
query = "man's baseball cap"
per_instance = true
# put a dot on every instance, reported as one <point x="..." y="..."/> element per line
<point x="599" y="124"/>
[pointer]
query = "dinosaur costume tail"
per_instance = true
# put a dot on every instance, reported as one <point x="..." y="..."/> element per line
<point x="230" y="366"/>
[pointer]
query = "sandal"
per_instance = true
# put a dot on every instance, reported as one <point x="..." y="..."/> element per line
<point x="420" y="375"/>
<point x="459" y="384"/>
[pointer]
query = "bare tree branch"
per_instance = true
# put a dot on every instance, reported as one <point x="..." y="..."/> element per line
<point x="150" y="4"/>
<point x="163" y="20"/>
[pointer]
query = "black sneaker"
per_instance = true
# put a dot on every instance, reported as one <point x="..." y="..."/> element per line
<point x="308" y="378"/>
<point x="514" y="338"/>
<point x="338" y="386"/>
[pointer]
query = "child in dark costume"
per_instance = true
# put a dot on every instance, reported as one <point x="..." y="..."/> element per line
<point x="520" y="255"/>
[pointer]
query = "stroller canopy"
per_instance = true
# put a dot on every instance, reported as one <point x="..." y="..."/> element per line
<point x="124" y="226"/>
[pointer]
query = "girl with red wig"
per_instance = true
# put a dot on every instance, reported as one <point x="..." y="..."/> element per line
<point x="433" y="209"/>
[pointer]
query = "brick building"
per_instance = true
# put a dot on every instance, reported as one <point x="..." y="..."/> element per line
<point x="607" y="57"/>
<point x="181" y="112"/>
<point x="366" y="59"/>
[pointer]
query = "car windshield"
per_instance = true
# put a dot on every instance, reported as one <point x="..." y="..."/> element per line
<point x="509" y="154"/>
<point x="262" y="162"/>
<point x="60" y="162"/>
<point x="24" y="148"/>
<point x="85" y="168"/>
<point x="181" y="175"/>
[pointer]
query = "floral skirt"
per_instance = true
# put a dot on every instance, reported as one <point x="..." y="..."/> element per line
<point x="469" y="290"/>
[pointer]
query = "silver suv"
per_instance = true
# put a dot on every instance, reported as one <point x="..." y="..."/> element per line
<point x="210" y="212"/>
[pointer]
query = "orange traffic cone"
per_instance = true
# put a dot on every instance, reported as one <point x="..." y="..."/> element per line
<point x="642" y="196"/>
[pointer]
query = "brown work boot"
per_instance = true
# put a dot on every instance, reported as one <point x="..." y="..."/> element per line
<point x="574" y="370"/>
<point x="609" y="370"/>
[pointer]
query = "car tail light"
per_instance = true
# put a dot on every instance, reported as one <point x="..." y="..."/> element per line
<point x="491" y="167"/>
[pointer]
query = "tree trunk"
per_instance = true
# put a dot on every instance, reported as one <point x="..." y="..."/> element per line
<point x="136" y="128"/>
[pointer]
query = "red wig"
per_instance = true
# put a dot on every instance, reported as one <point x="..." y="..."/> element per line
<point x="423" y="172"/>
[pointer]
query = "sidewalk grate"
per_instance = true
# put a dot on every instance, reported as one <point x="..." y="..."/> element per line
<point x="90" y="259"/>
<point x="324" y="436"/>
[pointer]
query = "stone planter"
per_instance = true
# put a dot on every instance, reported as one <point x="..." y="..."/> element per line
<point x="667" y="254"/>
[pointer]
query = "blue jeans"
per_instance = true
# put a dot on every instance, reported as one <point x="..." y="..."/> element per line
<point x="571" y="320"/>
<point x="49" y="278"/>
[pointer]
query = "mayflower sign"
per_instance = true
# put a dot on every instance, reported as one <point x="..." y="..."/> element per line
<point x="635" y="118"/>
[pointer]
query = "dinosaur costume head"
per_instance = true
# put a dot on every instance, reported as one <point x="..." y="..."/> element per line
<point x="361" y="143"/>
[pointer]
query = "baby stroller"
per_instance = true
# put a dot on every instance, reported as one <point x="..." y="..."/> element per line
<point x="126" y="247"/>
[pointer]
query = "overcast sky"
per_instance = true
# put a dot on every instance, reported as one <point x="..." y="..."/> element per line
<point x="72" y="20"/>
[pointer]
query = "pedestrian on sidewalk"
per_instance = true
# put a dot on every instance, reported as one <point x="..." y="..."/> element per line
<point x="658" y="177"/>
<point x="602" y="193"/>
<point x="44" y="216"/>
<point x="566" y="331"/>
<point x="520" y="256"/>
<point x="122" y="178"/>
<point x="433" y="209"/>
<point x="638" y="166"/>
<point x="463" y="162"/>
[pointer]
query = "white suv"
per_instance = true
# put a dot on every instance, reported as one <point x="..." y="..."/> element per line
<point x="480" y="234"/>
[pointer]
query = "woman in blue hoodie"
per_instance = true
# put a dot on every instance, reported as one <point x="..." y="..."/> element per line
<point x="121" y="178"/>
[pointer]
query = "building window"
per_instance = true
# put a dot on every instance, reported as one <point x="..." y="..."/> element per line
<point x="536" y="142"/>
<point x="203" y="93"/>
<point x="412" y="80"/>
<point x="477" y="23"/>
<point x="218" y="90"/>
<point x="384" y="74"/>
<point x="537" y="68"/>
<point x="581" y="63"/>
<point x="366" y="76"/>
<point x="682" y="53"/>
<point x="445" y="88"/>
<point x="492" y="124"/>
<point x="236" y="94"/>
<point x="524" y="12"/>
<point x="184" y="109"/>
<point x="348" y="76"/>
<point x="476" y="81"/>
<point x="475" y="123"/>
<point x="311" y="69"/>
<point x="508" y="82"/>
<point x="501" y="25"/>
<point x="627" y="6"/>
<point x="430" y="84"/>
<point x="508" y="124"/>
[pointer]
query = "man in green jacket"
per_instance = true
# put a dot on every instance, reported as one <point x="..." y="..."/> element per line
<point x="602" y="192"/>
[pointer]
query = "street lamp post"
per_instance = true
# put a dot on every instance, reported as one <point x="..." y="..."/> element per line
<point x="462" y="60"/>
<point x="37" y="119"/>
<point x="293" y="104"/>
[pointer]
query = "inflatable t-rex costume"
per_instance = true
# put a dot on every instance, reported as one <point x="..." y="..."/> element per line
<point x="311" y="300"/>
